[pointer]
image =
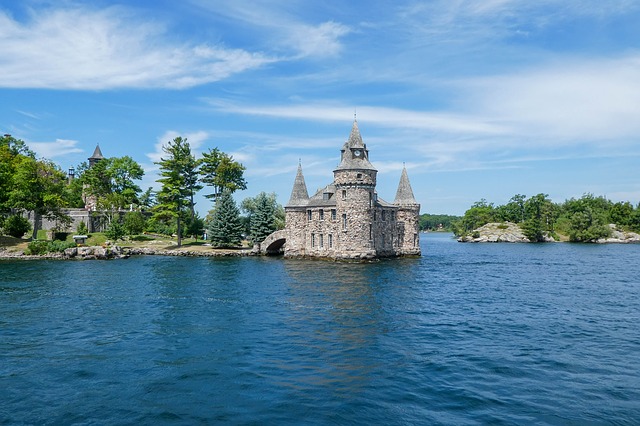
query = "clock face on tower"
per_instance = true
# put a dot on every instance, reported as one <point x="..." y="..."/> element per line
<point x="357" y="153"/>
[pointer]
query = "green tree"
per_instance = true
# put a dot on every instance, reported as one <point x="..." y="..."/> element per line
<point x="480" y="213"/>
<point x="539" y="217"/>
<point x="177" y="190"/>
<point x="514" y="210"/>
<point x="38" y="186"/>
<point x="12" y="152"/>
<point x="116" y="231"/>
<point x="587" y="218"/>
<point x="194" y="226"/>
<point x="134" y="223"/>
<point x="225" y="227"/>
<point x="621" y="213"/>
<point x="16" y="226"/>
<point x="262" y="211"/>
<point x="111" y="181"/>
<point x="147" y="199"/>
<point x="221" y="172"/>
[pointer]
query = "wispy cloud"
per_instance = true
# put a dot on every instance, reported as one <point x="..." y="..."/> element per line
<point x="282" y="26"/>
<point x="82" y="48"/>
<point x="59" y="148"/>
<point x="195" y="140"/>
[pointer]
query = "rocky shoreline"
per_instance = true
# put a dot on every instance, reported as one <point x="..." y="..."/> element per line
<point x="117" y="252"/>
<point x="508" y="232"/>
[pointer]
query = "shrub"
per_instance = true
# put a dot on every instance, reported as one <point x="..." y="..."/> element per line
<point x="41" y="247"/>
<point x="37" y="247"/>
<point x="116" y="231"/>
<point x="82" y="228"/>
<point x="134" y="223"/>
<point x="16" y="226"/>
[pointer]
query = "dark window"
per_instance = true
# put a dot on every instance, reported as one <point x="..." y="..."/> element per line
<point x="333" y="214"/>
<point x="321" y="214"/>
<point x="308" y="214"/>
<point x="344" y="221"/>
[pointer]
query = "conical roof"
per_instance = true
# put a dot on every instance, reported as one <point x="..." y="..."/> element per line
<point x="299" y="193"/>
<point x="97" y="154"/>
<point x="404" y="195"/>
<point x="355" y="139"/>
<point x="353" y="144"/>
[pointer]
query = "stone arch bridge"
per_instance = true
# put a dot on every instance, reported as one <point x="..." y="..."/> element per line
<point x="274" y="243"/>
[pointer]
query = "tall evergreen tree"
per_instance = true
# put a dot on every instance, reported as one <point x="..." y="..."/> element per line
<point x="262" y="216"/>
<point x="225" y="227"/>
<point x="176" y="194"/>
<point x="220" y="171"/>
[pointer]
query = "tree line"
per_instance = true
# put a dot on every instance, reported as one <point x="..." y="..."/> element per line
<point x="110" y="185"/>
<point x="585" y="219"/>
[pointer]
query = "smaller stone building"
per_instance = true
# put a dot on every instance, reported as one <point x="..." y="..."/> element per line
<point x="347" y="219"/>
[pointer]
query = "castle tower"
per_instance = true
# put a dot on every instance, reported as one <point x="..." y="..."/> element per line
<point x="295" y="216"/>
<point x="408" y="217"/>
<point x="91" y="201"/>
<point x="97" y="156"/>
<point x="355" y="197"/>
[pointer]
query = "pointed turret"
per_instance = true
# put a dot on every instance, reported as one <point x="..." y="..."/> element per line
<point x="354" y="153"/>
<point x="404" y="195"/>
<point x="97" y="156"/>
<point x="299" y="193"/>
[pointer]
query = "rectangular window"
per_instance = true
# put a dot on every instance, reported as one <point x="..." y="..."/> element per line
<point x="375" y="215"/>
<point x="382" y="239"/>
<point x="321" y="214"/>
<point x="370" y="231"/>
<point x="344" y="194"/>
<point x="321" y="240"/>
<point x="330" y="240"/>
<point x="313" y="240"/>
<point x="344" y="221"/>
<point x="309" y="215"/>
<point x="333" y="214"/>
<point x="383" y="215"/>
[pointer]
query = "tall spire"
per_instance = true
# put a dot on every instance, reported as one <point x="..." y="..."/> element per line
<point x="355" y="140"/>
<point x="299" y="193"/>
<point x="354" y="153"/>
<point x="404" y="195"/>
<point x="97" y="156"/>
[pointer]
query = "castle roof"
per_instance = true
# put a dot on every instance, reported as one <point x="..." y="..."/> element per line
<point x="404" y="195"/>
<point x="349" y="161"/>
<point x="97" y="154"/>
<point x="299" y="194"/>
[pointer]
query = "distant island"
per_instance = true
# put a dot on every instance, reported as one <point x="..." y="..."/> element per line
<point x="589" y="219"/>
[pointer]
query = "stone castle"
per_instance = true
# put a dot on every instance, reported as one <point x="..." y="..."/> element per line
<point x="346" y="219"/>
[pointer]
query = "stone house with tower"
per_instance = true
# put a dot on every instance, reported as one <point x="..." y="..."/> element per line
<point x="347" y="219"/>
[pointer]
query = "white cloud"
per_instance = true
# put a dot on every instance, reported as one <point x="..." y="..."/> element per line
<point x="379" y="116"/>
<point x="320" y="40"/>
<point x="59" y="148"/>
<point x="574" y="101"/>
<point x="280" y="24"/>
<point x="195" y="139"/>
<point x="81" y="48"/>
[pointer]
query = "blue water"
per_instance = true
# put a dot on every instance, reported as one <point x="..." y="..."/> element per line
<point x="467" y="334"/>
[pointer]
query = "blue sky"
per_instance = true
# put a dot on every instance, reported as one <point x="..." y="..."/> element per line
<point x="479" y="99"/>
